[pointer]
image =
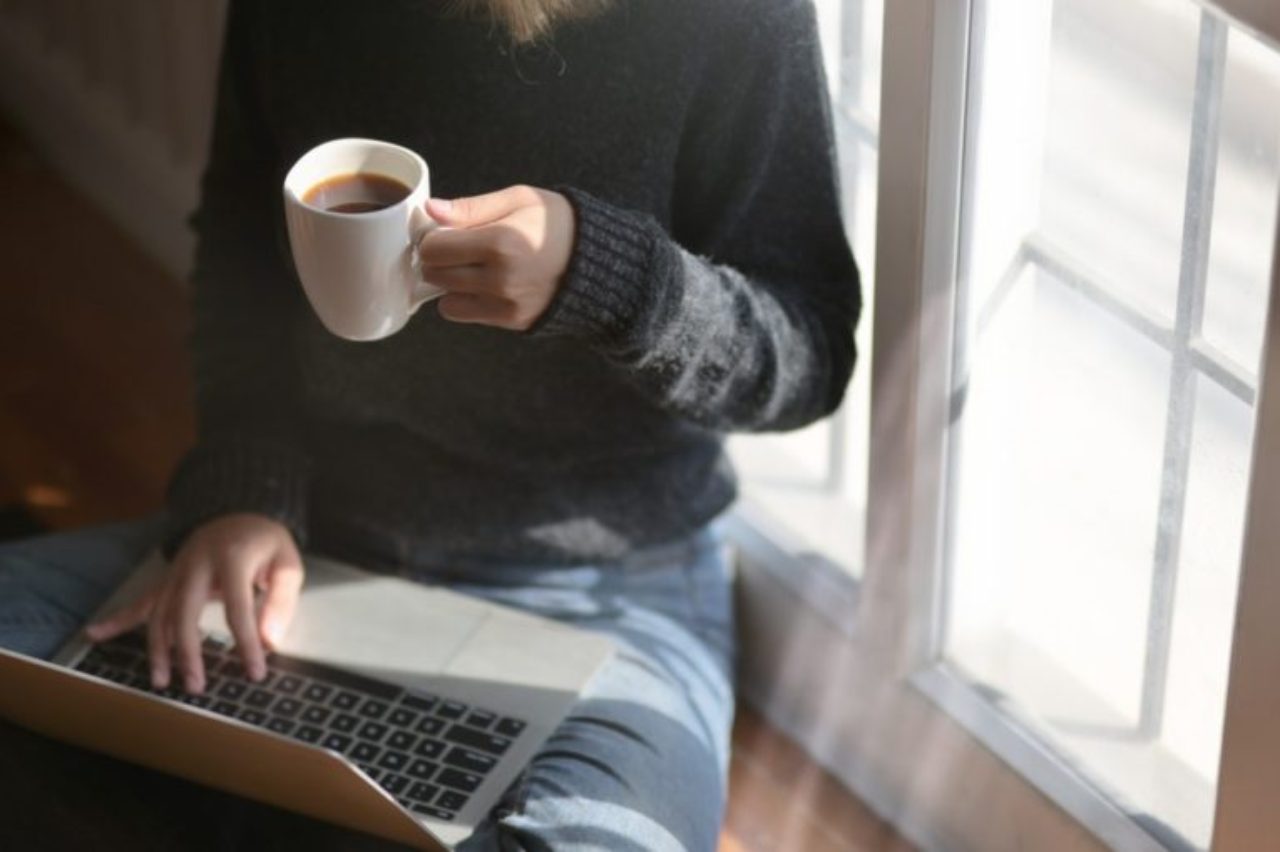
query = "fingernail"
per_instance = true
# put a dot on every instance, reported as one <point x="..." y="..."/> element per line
<point x="92" y="631"/>
<point x="194" y="684"/>
<point x="444" y="205"/>
<point x="159" y="679"/>
<point x="257" y="672"/>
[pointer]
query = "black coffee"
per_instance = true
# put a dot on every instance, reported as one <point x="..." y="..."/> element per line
<point x="356" y="193"/>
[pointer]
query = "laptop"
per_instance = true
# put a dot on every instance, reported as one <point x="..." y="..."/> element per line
<point x="392" y="707"/>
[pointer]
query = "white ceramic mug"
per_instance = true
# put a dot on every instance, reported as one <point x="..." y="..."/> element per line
<point x="360" y="270"/>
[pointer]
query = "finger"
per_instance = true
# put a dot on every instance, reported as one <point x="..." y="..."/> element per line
<point x="122" y="620"/>
<point x="441" y="248"/>
<point x="461" y="279"/>
<point x="188" y="602"/>
<point x="284" y="583"/>
<point x="481" y="209"/>
<point x="159" y="641"/>
<point x="237" y="597"/>
<point x="467" y="308"/>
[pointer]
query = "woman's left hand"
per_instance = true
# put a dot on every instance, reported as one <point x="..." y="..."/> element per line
<point x="500" y="257"/>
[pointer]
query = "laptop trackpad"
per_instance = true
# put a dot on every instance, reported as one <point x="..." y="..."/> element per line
<point x="348" y="617"/>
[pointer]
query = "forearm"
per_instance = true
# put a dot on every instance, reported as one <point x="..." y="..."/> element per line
<point x="723" y="348"/>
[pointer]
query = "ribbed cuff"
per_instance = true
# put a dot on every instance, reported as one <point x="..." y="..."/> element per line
<point x="604" y="289"/>
<point x="241" y="475"/>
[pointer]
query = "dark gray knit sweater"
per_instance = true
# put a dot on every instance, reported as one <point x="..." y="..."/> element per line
<point x="710" y="289"/>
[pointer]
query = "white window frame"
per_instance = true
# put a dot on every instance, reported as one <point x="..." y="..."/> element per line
<point x="910" y="735"/>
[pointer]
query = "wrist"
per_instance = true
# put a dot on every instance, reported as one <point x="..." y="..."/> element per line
<point x="605" y="286"/>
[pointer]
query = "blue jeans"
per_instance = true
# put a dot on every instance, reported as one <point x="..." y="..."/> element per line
<point x="640" y="762"/>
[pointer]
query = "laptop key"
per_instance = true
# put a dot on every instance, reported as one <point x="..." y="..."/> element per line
<point x="402" y="741"/>
<point x="422" y="769"/>
<point x="345" y="723"/>
<point x="478" y="740"/>
<point x="432" y="811"/>
<point x="470" y="761"/>
<point x="481" y="718"/>
<point x="402" y="718"/>
<point x="373" y="731"/>
<point x="451" y="710"/>
<point x="287" y="707"/>
<point x="373" y="709"/>
<point x="289" y="684"/>
<point x="422" y="792"/>
<point x="393" y="760"/>
<point x="419" y="701"/>
<point x="309" y="734"/>
<point x="232" y="690"/>
<point x="393" y="784"/>
<point x="509" y="727"/>
<point x="451" y="800"/>
<point x="316" y="715"/>
<point x="429" y="748"/>
<point x="317" y="692"/>
<point x="431" y="726"/>
<point x="225" y="708"/>
<point x="365" y="752"/>
<point x="464" y="781"/>
<point x="346" y="700"/>
<point x="251" y="716"/>
<point x="281" y="726"/>
<point x="259" y="699"/>
<point x="338" y="742"/>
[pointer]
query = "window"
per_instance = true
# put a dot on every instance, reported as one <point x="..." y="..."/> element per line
<point x="1075" y="240"/>
<point x="1122" y="178"/>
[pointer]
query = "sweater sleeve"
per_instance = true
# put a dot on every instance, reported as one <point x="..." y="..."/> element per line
<point x="743" y="317"/>
<point x="248" y="456"/>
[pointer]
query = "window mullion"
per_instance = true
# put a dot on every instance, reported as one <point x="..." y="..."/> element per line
<point x="1193" y="275"/>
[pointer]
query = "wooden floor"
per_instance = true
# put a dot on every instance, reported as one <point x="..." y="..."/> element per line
<point x="95" y="409"/>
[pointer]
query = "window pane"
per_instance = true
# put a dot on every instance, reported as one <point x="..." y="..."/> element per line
<point x="1108" y="341"/>
<point x="812" y="483"/>
<point x="1059" y="484"/>
<point x="1121" y="80"/>
<point x="1245" y="201"/>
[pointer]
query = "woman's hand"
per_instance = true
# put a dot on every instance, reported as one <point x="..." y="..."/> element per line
<point x="229" y="557"/>
<point x="501" y="256"/>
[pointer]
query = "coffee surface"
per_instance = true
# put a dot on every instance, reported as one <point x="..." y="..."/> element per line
<point x="361" y="192"/>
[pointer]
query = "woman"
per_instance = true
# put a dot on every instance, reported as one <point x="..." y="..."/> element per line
<point x="645" y="253"/>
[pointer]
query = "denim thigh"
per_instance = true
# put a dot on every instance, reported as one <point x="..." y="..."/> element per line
<point x="640" y="762"/>
<point x="50" y="585"/>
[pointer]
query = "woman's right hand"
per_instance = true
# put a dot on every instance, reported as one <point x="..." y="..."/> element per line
<point x="229" y="557"/>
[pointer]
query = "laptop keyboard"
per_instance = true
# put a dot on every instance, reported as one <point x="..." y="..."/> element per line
<point x="430" y="753"/>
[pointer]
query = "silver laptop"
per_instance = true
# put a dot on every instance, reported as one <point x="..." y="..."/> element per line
<point x="392" y="707"/>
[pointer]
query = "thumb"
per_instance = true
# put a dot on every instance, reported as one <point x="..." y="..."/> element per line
<point x="477" y="210"/>
<point x="284" y="583"/>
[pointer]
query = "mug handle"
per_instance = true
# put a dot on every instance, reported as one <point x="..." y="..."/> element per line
<point x="420" y="290"/>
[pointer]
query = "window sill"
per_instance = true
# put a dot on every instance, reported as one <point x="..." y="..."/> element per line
<point x="822" y="585"/>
